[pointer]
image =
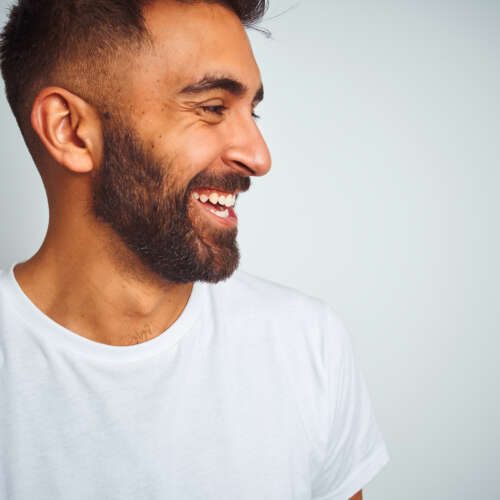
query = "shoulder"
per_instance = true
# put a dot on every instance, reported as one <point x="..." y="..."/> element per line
<point x="4" y="284"/>
<point x="248" y="297"/>
<point x="251" y="295"/>
<point x="307" y="323"/>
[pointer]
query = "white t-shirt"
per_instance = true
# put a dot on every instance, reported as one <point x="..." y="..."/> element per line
<point x="253" y="393"/>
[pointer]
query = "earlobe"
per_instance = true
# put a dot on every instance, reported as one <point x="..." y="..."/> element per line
<point x="68" y="128"/>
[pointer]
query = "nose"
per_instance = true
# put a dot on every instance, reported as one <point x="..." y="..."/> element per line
<point x="247" y="151"/>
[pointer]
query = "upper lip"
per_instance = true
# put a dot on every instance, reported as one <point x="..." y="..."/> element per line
<point x="201" y="188"/>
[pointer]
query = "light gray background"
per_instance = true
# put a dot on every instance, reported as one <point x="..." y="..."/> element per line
<point x="383" y="121"/>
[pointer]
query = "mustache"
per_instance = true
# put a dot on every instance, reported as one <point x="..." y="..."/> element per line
<point x="228" y="182"/>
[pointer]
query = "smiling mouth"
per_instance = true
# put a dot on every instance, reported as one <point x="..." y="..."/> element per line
<point x="218" y="205"/>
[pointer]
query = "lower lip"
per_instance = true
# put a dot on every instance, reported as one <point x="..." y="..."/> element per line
<point x="230" y="221"/>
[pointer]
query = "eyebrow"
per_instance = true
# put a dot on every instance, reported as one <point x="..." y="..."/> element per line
<point x="227" y="83"/>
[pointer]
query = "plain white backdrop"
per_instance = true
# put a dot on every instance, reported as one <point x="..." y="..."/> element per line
<point x="383" y="120"/>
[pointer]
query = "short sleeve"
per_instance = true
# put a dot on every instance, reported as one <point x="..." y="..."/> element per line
<point x="355" y="449"/>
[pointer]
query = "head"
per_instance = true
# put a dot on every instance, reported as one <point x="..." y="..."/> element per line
<point x="141" y="109"/>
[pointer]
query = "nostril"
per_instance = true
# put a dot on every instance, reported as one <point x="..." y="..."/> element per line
<point x="239" y="163"/>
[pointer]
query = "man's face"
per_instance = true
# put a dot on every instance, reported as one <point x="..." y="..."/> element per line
<point x="183" y="130"/>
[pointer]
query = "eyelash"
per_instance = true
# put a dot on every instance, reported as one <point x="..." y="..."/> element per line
<point x="219" y="110"/>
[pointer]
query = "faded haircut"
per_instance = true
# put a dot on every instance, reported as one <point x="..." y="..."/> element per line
<point x="73" y="44"/>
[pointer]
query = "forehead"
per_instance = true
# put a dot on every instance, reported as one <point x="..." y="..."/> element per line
<point x="191" y="40"/>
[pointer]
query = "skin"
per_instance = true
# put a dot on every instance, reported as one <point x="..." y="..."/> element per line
<point x="84" y="276"/>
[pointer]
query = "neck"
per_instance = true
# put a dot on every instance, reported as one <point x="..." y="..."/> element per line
<point x="98" y="294"/>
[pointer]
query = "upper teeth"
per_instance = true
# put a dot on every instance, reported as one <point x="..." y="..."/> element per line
<point x="214" y="198"/>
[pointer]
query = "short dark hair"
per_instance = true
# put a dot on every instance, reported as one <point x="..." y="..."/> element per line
<point x="53" y="42"/>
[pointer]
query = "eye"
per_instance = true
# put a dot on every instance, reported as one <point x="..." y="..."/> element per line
<point x="218" y="110"/>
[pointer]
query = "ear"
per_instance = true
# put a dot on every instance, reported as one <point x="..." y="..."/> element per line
<point x="69" y="128"/>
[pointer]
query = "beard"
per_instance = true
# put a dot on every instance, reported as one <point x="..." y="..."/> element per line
<point x="139" y="198"/>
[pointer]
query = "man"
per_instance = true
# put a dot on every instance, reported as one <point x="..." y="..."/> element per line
<point x="135" y="362"/>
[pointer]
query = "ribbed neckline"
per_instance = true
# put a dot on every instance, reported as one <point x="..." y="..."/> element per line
<point x="43" y="325"/>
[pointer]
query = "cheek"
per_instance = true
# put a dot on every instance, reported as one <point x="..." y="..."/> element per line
<point x="203" y="146"/>
<point x="197" y="150"/>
